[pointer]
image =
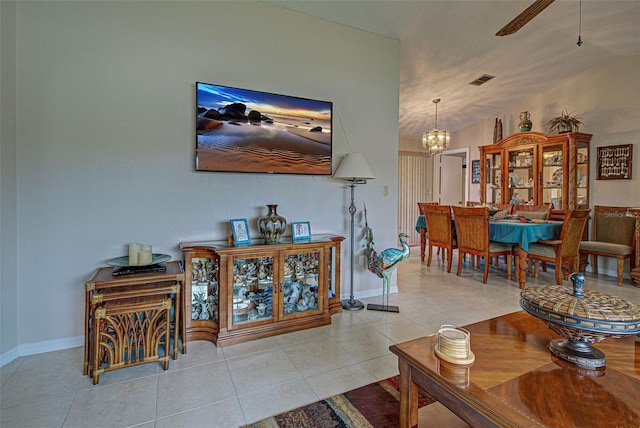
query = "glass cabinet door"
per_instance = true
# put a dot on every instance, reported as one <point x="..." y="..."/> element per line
<point x="204" y="289"/>
<point x="582" y="180"/>
<point x="494" y="178"/>
<point x="553" y="176"/>
<point x="300" y="295"/>
<point x="521" y="176"/>
<point x="253" y="288"/>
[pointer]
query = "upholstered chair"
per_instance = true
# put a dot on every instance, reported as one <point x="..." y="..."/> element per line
<point x="612" y="237"/>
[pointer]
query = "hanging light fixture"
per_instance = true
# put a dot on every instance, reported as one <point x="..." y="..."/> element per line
<point x="580" y="26"/>
<point x="435" y="140"/>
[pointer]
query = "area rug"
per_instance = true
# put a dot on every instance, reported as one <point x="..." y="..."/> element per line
<point x="375" y="405"/>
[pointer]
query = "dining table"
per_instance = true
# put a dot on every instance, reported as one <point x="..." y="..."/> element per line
<point x="508" y="231"/>
<point x="514" y="231"/>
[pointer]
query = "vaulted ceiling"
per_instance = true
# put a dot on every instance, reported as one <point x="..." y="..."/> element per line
<point x="447" y="44"/>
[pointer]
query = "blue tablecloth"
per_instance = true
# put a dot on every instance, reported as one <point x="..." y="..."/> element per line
<point x="421" y="223"/>
<point x="515" y="232"/>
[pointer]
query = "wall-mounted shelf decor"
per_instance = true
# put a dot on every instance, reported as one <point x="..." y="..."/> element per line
<point x="614" y="162"/>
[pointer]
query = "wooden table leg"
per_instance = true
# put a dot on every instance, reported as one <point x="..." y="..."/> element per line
<point x="87" y="328"/>
<point x="521" y="269"/>
<point x="423" y="242"/>
<point x="408" y="397"/>
<point x="635" y="276"/>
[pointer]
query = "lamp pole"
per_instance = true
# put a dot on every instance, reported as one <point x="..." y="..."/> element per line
<point x="352" y="304"/>
<point x="354" y="169"/>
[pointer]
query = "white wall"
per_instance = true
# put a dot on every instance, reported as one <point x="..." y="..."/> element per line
<point x="105" y="146"/>
<point x="8" y="190"/>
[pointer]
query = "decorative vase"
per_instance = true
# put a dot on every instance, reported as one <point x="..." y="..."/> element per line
<point x="272" y="225"/>
<point x="525" y="122"/>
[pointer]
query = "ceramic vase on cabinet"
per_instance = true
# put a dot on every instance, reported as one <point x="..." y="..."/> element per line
<point x="525" y="122"/>
<point x="272" y="226"/>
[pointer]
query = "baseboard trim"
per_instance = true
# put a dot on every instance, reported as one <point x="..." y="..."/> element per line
<point x="40" y="347"/>
<point x="370" y="293"/>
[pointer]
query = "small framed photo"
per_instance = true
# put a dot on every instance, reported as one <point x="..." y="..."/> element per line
<point x="301" y="231"/>
<point x="240" y="229"/>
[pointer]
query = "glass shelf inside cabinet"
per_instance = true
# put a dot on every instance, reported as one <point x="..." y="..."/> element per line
<point x="521" y="159"/>
<point x="521" y="178"/>
<point x="252" y="289"/>
<point x="552" y="176"/>
<point x="204" y="289"/>
<point x="552" y="161"/>
<point x="494" y="178"/>
<point x="300" y="283"/>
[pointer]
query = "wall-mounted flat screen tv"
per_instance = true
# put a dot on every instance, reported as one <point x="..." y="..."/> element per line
<point x="240" y="130"/>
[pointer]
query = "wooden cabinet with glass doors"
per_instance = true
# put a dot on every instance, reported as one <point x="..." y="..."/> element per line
<point x="234" y="294"/>
<point x="534" y="168"/>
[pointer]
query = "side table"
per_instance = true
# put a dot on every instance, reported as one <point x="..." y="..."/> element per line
<point x="103" y="286"/>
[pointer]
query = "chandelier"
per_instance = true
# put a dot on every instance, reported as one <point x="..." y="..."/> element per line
<point x="435" y="140"/>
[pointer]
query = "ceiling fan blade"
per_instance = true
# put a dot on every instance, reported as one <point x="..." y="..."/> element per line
<point x="527" y="15"/>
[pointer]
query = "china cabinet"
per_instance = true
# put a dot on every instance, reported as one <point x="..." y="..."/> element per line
<point x="531" y="167"/>
<point x="234" y="294"/>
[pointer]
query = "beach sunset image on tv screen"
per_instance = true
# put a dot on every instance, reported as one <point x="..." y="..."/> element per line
<point x="240" y="130"/>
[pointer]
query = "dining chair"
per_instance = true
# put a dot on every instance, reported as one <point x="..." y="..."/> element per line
<point x="502" y="207"/>
<point x="421" y="206"/>
<point x="612" y="237"/>
<point x="564" y="251"/>
<point x="440" y="227"/>
<point x="472" y="232"/>
<point x="532" y="211"/>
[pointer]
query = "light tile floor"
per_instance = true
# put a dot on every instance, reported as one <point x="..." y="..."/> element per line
<point x="231" y="386"/>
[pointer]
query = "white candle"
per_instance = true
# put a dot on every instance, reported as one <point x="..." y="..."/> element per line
<point x="134" y="249"/>
<point x="144" y="258"/>
<point x="146" y="248"/>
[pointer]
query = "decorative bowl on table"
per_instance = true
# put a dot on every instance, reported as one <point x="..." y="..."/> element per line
<point x="581" y="318"/>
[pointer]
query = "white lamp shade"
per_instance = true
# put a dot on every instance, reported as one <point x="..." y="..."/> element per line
<point x="354" y="167"/>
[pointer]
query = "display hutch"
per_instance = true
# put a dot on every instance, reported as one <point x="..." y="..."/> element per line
<point x="531" y="167"/>
<point x="239" y="293"/>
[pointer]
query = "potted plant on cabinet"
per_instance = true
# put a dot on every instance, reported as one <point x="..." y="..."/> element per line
<point x="566" y="122"/>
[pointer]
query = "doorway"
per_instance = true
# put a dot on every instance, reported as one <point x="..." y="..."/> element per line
<point x="451" y="177"/>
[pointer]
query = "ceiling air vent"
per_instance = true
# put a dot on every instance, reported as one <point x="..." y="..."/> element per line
<point x="482" y="80"/>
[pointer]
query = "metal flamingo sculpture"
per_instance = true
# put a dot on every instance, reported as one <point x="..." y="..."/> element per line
<point x="384" y="264"/>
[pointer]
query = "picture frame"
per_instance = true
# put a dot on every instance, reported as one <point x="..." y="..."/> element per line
<point x="301" y="231"/>
<point x="270" y="133"/>
<point x="614" y="162"/>
<point x="475" y="171"/>
<point x="240" y="230"/>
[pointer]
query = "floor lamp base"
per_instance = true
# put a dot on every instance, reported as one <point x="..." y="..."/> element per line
<point x="386" y="308"/>
<point x="352" y="305"/>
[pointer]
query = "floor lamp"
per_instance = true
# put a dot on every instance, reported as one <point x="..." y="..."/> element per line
<point x="355" y="170"/>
